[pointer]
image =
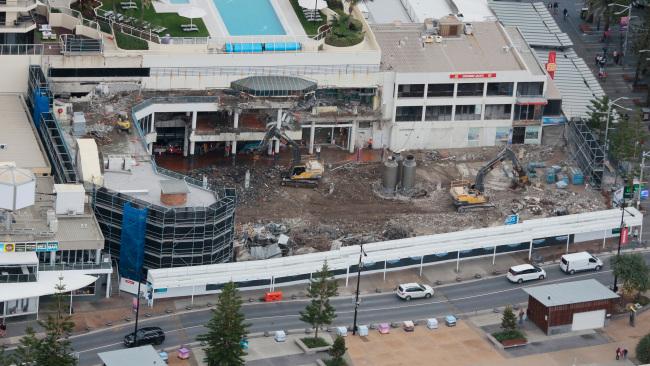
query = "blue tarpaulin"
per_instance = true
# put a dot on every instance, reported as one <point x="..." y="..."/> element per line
<point x="134" y="223"/>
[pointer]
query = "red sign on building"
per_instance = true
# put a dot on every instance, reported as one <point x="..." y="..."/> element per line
<point x="551" y="66"/>
<point x="485" y="75"/>
<point x="624" y="236"/>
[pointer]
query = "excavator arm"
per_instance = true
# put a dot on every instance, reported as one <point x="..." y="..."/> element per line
<point x="272" y="132"/>
<point x="506" y="153"/>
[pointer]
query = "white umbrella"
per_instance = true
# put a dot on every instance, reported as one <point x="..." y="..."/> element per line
<point x="312" y="4"/>
<point x="191" y="12"/>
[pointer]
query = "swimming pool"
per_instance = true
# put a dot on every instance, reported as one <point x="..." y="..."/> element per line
<point x="179" y="2"/>
<point x="249" y="17"/>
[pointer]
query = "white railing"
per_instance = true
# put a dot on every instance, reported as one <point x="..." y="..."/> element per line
<point x="21" y="49"/>
<point x="287" y="70"/>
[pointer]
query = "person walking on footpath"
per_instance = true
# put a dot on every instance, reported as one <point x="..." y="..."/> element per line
<point x="555" y="7"/>
<point x="617" y="57"/>
<point x="618" y="353"/>
<point x="566" y="14"/>
<point x="521" y="316"/>
<point x="625" y="353"/>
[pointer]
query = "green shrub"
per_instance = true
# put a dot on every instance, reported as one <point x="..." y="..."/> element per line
<point x="643" y="350"/>
<point x="508" y="335"/>
<point x="346" y="31"/>
<point x="335" y="4"/>
<point x="127" y="42"/>
<point x="311" y="342"/>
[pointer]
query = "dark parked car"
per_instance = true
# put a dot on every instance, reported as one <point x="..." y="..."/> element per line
<point x="147" y="335"/>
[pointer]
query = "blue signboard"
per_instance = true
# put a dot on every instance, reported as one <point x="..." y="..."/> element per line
<point x="550" y="121"/>
<point x="644" y="194"/>
<point x="512" y="219"/>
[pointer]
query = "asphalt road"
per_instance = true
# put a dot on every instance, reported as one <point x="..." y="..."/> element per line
<point x="454" y="299"/>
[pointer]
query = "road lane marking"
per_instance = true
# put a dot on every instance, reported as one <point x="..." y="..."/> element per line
<point x="100" y="347"/>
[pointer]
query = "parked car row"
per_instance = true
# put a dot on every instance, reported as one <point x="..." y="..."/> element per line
<point x="569" y="263"/>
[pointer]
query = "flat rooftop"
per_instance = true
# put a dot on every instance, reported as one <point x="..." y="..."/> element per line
<point x="74" y="232"/>
<point x="574" y="292"/>
<point x="20" y="137"/>
<point x="145" y="184"/>
<point x="471" y="10"/>
<point x="403" y="50"/>
<point x="141" y="356"/>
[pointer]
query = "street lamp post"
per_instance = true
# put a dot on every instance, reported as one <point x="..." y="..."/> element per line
<point x="620" y="237"/>
<point x="627" y="8"/>
<point x="356" y="299"/>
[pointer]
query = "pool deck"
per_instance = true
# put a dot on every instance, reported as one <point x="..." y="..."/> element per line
<point x="217" y="27"/>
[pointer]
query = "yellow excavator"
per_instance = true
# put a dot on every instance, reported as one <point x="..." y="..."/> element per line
<point x="471" y="197"/>
<point x="301" y="173"/>
<point x="123" y="123"/>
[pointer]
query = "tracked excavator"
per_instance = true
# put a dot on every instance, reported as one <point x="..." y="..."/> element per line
<point x="301" y="173"/>
<point x="470" y="197"/>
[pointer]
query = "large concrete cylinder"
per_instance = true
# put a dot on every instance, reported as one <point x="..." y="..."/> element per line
<point x="400" y="167"/>
<point x="390" y="176"/>
<point x="408" y="173"/>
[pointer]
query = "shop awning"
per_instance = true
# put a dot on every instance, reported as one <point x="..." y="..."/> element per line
<point x="47" y="280"/>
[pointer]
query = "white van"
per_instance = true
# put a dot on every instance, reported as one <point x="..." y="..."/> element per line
<point x="582" y="261"/>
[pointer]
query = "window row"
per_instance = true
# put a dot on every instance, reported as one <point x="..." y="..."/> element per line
<point x="444" y="112"/>
<point x="469" y="89"/>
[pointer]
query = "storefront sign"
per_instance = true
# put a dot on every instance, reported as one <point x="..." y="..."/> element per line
<point x="40" y="246"/>
<point x="550" y="121"/>
<point x="485" y="75"/>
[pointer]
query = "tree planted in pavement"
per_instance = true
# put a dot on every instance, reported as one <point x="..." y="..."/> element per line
<point x="320" y="311"/>
<point x="627" y="137"/>
<point x="509" y="320"/>
<point x="643" y="350"/>
<point x="597" y="115"/>
<point x="337" y="351"/>
<point x="633" y="272"/>
<point x="226" y="330"/>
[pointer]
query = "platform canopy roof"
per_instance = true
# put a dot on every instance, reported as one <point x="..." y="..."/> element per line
<point x="47" y="280"/>
<point x="273" y="86"/>
<point x="415" y="247"/>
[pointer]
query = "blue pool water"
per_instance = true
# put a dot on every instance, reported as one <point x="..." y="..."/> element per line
<point x="249" y="17"/>
<point x="179" y="2"/>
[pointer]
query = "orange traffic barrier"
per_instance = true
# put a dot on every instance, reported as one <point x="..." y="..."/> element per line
<point x="273" y="296"/>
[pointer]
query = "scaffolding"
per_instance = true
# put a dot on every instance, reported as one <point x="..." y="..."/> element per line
<point x="174" y="237"/>
<point x="586" y="151"/>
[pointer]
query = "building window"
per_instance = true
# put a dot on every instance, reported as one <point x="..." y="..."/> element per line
<point x="500" y="89"/>
<point x="468" y="112"/>
<point x="532" y="133"/>
<point x="365" y="125"/>
<point x="438" y="113"/>
<point x="408" y="113"/>
<point x="470" y="90"/>
<point x="410" y="91"/>
<point x="535" y="89"/>
<point x="528" y="112"/>
<point x="498" y="111"/>
<point x="440" y="90"/>
<point x="473" y="136"/>
<point x="502" y="135"/>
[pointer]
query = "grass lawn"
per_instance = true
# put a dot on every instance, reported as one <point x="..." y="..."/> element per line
<point x="311" y="28"/>
<point x="126" y="42"/>
<point x="171" y="21"/>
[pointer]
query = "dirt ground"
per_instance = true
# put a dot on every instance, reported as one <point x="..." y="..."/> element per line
<point x="348" y="207"/>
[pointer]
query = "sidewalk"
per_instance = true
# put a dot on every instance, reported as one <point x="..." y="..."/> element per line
<point x="587" y="44"/>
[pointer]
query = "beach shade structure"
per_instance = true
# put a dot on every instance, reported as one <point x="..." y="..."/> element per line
<point x="191" y="12"/>
<point x="313" y="4"/>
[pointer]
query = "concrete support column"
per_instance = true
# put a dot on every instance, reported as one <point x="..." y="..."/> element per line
<point x="52" y="258"/>
<point x="347" y="275"/>
<point x="279" y="125"/>
<point x="421" y="263"/>
<point x="353" y="136"/>
<point x="494" y="255"/>
<point x="458" y="262"/>
<point x="108" y="285"/>
<point x="192" y="143"/>
<point x="530" y="249"/>
<point x="385" y="265"/>
<point x="604" y="239"/>
<point x="98" y="256"/>
<point x="235" y="124"/>
<point x="567" y="242"/>
<point x="152" y="126"/>
<point x="186" y="141"/>
<point x="312" y="136"/>
<point x="194" y="115"/>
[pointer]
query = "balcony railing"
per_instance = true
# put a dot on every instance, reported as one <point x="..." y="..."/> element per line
<point x="21" y="49"/>
<point x="73" y="266"/>
<point x="15" y="278"/>
<point x="18" y="26"/>
<point x="17" y="3"/>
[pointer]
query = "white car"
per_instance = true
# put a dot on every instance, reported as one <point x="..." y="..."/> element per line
<point x="408" y="291"/>
<point x="525" y="272"/>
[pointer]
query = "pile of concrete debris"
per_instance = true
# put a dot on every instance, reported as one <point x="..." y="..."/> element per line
<point x="264" y="241"/>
